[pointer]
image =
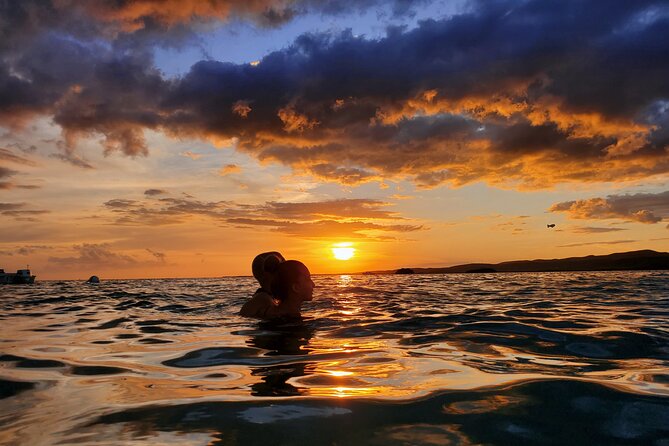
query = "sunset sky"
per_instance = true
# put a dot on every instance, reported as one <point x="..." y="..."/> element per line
<point x="181" y="138"/>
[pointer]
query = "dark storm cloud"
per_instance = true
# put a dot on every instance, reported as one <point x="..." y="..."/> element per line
<point x="87" y="88"/>
<point x="166" y="21"/>
<point x="642" y="208"/>
<point x="340" y="7"/>
<point x="527" y="94"/>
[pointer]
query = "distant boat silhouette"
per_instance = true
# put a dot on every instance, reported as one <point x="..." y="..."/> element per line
<point x="19" y="277"/>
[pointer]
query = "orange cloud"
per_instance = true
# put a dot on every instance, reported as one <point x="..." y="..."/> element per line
<point x="134" y="16"/>
<point x="641" y="208"/>
<point x="241" y="108"/>
<point x="229" y="169"/>
<point x="359" y="218"/>
<point x="294" y="121"/>
<point x="191" y="155"/>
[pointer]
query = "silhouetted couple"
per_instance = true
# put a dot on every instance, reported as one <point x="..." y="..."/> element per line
<point x="284" y="286"/>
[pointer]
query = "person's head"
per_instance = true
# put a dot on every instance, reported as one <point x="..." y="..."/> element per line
<point x="264" y="267"/>
<point x="293" y="280"/>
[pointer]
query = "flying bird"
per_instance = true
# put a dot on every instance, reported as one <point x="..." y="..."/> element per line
<point x="552" y="225"/>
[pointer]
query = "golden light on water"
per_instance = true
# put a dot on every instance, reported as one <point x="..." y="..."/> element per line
<point x="343" y="251"/>
<point x="339" y="373"/>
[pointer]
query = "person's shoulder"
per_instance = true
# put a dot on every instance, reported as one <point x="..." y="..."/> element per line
<point x="261" y="305"/>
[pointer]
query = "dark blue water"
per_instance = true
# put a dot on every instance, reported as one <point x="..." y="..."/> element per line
<point x="529" y="358"/>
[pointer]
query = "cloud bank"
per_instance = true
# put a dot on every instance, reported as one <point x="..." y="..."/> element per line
<point x="351" y="218"/>
<point x="517" y="94"/>
<point x="641" y="208"/>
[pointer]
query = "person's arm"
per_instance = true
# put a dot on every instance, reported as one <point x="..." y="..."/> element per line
<point x="260" y="306"/>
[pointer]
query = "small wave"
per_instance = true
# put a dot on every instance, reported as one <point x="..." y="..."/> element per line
<point x="88" y="370"/>
<point x="209" y="357"/>
<point x="11" y="388"/>
<point x="112" y="324"/>
<point x="511" y="328"/>
<point x="276" y="414"/>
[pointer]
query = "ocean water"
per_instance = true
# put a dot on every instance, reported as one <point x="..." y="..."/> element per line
<point x="499" y="359"/>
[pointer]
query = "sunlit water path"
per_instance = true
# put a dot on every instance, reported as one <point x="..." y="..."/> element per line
<point x="531" y="358"/>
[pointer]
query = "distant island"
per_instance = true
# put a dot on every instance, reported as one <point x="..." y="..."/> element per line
<point x="623" y="261"/>
<point x="405" y="271"/>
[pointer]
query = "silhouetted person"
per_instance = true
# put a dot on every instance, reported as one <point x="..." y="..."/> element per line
<point x="262" y="304"/>
<point x="292" y="286"/>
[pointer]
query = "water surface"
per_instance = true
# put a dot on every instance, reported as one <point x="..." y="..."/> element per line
<point x="527" y="358"/>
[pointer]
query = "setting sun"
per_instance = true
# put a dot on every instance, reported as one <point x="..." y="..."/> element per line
<point x="343" y="251"/>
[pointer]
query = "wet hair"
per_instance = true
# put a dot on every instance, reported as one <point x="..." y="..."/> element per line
<point x="287" y="274"/>
<point x="267" y="262"/>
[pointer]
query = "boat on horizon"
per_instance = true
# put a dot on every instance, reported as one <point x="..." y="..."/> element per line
<point x="21" y="276"/>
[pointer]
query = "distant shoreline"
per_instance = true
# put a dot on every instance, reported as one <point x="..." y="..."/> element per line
<point x="644" y="260"/>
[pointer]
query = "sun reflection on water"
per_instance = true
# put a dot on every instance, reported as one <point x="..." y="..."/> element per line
<point x="339" y="373"/>
<point x="344" y="281"/>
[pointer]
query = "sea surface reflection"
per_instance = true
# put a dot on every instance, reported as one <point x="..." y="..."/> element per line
<point x="532" y="358"/>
